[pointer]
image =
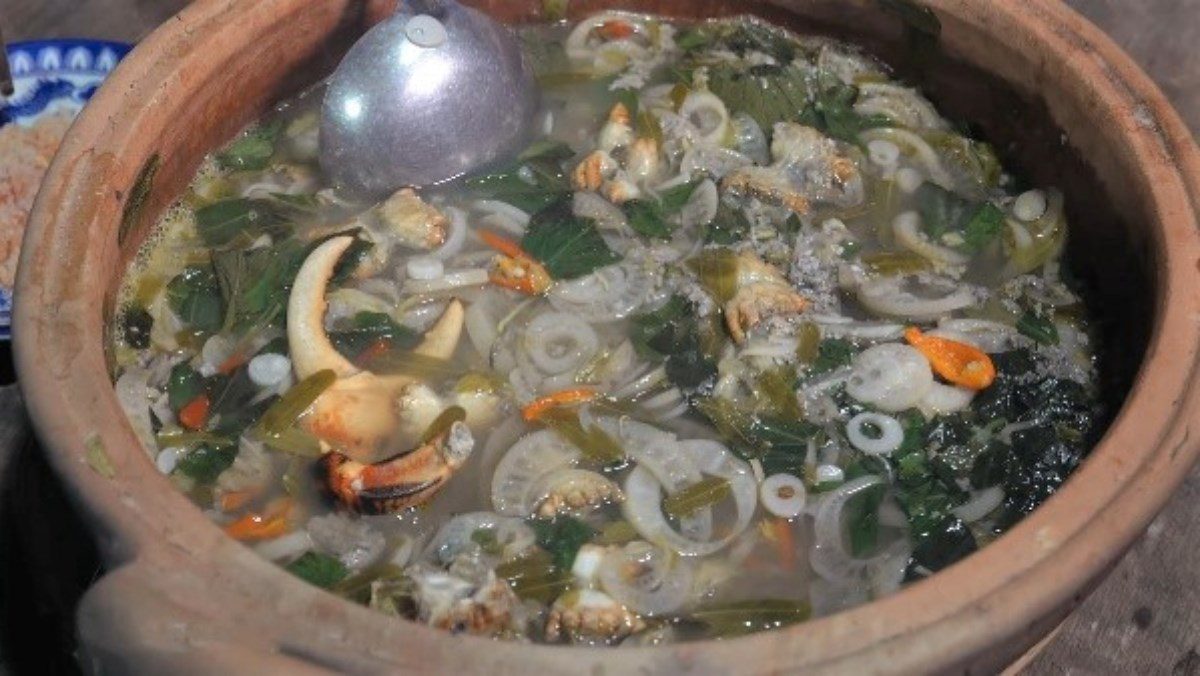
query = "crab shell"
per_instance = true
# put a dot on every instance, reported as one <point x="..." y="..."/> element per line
<point x="762" y="291"/>
<point x="361" y="414"/>
<point x="398" y="483"/>
<point x="587" y="615"/>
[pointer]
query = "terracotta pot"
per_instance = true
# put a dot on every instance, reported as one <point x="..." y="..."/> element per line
<point x="1059" y="98"/>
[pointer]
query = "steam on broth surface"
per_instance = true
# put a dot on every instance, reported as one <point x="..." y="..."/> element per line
<point x="749" y="334"/>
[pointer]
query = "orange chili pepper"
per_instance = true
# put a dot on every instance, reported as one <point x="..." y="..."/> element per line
<point x="615" y="30"/>
<point x="520" y="274"/>
<point x="234" y="500"/>
<point x="502" y="244"/>
<point x="253" y="526"/>
<point x="538" y="408"/>
<point x="194" y="413"/>
<point x="957" y="362"/>
<point x="232" y="363"/>
<point x="374" y="351"/>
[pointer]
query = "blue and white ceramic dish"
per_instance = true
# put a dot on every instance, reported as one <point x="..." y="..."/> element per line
<point x="50" y="76"/>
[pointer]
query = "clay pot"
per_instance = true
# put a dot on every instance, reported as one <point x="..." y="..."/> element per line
<point x="1057" y="97"/>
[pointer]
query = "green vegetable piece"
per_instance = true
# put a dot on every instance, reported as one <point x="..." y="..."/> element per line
<point x="205" y="463"/>
<point x="533" y="183"/>
<point x="647" y="218"/>
<point x="594" y="442"/>
<point x="184" y="439"/>
<point x="535" y="576"/>
<point x="255" y="284"/>
<point x="617" y="533"/>
<point x="1040" y="328"/>
<point x="370" y="328"/>
<point x="704" y="493"/>
<point x="717" y="271"/>
<point x="195" y="298"/>
<point x="183" y="385"/>
<point x="832" y="353"/>
<point x="443" y="422"/>
<point x="862" y="519"/>
<point x="317" y="569"/>
<point x="561" y="537"/>
<point x="220" y="223"/>
<point x="294" y="441"/>
<point x="284" y="412"/>
<point x="252" y="151"/>
<point x="568" y="246"/>
<point x="738" y="618"/>
<point x="768" y="94"/>
<point x="895" y="262"/>
<point x="808" y="343"/>
<point x="983" y="228"/>
<point x="729" y="226"/>
<point x="943" y="212"/>
<point x="673" y="199"/>
<point x="693" y="38"/>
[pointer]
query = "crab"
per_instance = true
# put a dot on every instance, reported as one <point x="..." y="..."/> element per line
<point x="622" y="162"/>
<point x="398" y="483"/>
<point x="360" y="413"/>
<point x="411" y="221"/>
<point x="762" y="291"/>
<point x="573" y="490"/>
<point x="808" y="168"/>
<point x="452" y="603"/>
<point x="590" y="616"/>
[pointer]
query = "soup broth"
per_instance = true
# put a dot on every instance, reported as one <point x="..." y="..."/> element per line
<point x="749" y="334"/>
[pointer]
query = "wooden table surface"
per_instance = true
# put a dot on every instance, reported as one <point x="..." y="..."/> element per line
<point x="1145" y="618"/>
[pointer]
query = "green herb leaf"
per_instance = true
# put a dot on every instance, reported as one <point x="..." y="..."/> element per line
<point x="255" y="284"/>
<point x="743" y="617"/>
<point x="673" y="199"/>
<point x="832" y="354"/>
<point x="220" y="223"/>
<point x="1040" y="329"/>
<point x="195" y="297"/>
<point x="943" y="212"/>
<point x="283" y="413"/>
<point x="252" y="151"/>
<point x="769" y="94"/>
<point x="567" y="245"/>
<point x="183" y="385"/>
<point x="205" y="463"/>
<point x="561" y="537"/>
<point x="647" y="218"/>
<point x="369" y="328"/>
<point x="533" y="183"/>
<point x="862" y="519"/>
<point x="535" y="576"/>
<point x="704" y="493"/>
<point x="594" y="442"/>
<point x="729" y="226"/>
<point x="317" y="569"/>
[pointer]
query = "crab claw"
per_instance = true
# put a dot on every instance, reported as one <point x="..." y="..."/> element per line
<point x="400" y="482"/>
<point x="360" y="414"/>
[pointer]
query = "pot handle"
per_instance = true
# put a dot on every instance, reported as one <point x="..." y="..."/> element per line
<point x="123" y="626"/>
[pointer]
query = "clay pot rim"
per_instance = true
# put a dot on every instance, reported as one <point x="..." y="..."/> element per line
<point x="1033" y="568"/>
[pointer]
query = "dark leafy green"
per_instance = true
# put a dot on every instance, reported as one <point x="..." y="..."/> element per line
<point x="778" y="442"/>
<point x="255" y="283"/>
<point x="252" y="151"/>
<point x="832" y="112"/>
<point x="729" y="226"/>
<point x="239" y="219"/>
<point x="183" y="385"/>
<point x="535" y="181"/>
<point x="647" y="218"/>
<point x="205" y="463"/>
<point x="832" y="354"/>
<point x="561" y="537"/>
<point x="943" y="212"/>
<point x="195" y="297"/>
<point x="567" y="245"/>
<point x="367" y="329"/>
<point x="672" y="333"/>
<point x="1040" y="328"/>
<point x="318" y="569"/>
